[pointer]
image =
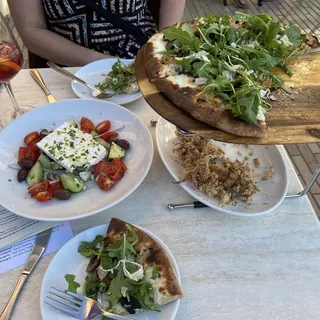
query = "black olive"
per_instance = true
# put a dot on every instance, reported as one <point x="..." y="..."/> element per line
<point x="22" y="174"/>
<point x="131" y="305"/>
<point x="62" y="194"/>
<point x="124" y="144"/>
<point x="43" y="133"/>
<point x="26" y="163"/>
<point x="93" y="264"/>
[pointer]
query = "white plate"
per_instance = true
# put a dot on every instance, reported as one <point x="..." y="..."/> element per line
<point x="14" y="195"/>
<point x="95" y="72"/>
<point x="69" y="261"/>
<point x="272" y="191"/>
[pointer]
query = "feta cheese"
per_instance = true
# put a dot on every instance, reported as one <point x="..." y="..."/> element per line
<point x="261" y="112"/>
<point x="285" y="40"/>
<point x="171" y="69"/>
<point x="159" y="45"/>
<point x="72" y="148"/>
<point x="200" y="81"/>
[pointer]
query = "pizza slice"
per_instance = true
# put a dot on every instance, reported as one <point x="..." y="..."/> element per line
<point x="129" y="272"/>
<point x="219" y="68"/>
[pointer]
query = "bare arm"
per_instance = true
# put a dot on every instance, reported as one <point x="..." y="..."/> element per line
<point x="29" y="19"/>
<point x="171" y="12"/>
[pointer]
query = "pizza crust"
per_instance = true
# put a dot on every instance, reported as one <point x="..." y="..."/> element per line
<point x="167" y="286"/>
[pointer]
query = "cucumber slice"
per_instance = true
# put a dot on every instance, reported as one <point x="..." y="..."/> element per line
<point x="55" y="166"/>
<point x="71" y="182"/>
<point x="35" y="175"/>
<point x="94" y="133"/>
<point x="116" y="151"/>
<point x="104" y="143"/>
<point x="73" y="123"/>
<point x="45" y="161"/>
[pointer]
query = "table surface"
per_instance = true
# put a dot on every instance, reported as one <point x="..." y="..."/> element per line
<point x="231" y="267"/>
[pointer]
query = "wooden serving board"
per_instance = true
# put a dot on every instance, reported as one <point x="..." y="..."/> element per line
<point x="294" y="117"/>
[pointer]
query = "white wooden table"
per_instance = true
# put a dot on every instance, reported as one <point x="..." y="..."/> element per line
<point x="231" y="267"/>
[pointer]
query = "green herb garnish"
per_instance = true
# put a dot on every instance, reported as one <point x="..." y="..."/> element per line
<point x="119" y="78"/>
<point x="72" y="285"/>
<point x="233" y="58"/>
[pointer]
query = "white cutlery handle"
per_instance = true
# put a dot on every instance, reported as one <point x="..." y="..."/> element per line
<point x="5" y="315"/>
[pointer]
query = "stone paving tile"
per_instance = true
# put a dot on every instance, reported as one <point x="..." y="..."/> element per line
<point x="305" y="173"/>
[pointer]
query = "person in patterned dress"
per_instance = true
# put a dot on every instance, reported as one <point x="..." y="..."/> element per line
<point x="70" y="33"/>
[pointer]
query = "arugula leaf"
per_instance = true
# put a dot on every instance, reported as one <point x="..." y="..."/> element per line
<point x="106" y="261"/>
<point x="186" y="27"/>
<point x="72" y="285"/>
<point x="91" y="286"/>
<point x="154" y="271"/>
<point x="88" y="249"/>
<point x="249" y="108"/>
<point x="231" y="35"/>
<point x="174" y="33"/>
<point x="123" y="249"/>
<point x="144" y="293"/>
<point x="274" y="28"/>
<point x="293" y="32"/>
<point x="114" y="291"/>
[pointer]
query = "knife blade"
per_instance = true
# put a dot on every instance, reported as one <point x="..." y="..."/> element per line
<point x="37" y="77"/>
<point x="34" y="256"/>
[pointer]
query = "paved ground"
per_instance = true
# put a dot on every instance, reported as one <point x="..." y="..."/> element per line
<point x="304" y="12"/>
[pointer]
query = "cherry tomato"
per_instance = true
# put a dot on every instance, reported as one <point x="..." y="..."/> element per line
<point x="118" y="161"/>
<point x="98" y="167"/>
<point x="56" y="186"/>
<point x="32" y="138"/>
<point x="28" y="153"/>
<point x="103" y="126"/>
<point x="108" y="135"/>
<point x="118" y="175"/>
<point x="44" y="195"/>
<point x="113" y="167"/>
<point x="86" y="125"/>
<point x="39" y="187"/>
<point x="103" y="182"/>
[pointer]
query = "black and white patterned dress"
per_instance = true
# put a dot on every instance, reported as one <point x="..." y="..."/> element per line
<point x="83" y="26"/>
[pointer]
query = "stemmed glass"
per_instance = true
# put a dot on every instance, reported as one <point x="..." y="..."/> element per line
<point x="11" y="61"/>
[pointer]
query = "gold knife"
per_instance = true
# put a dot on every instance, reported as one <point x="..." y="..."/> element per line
<point x="34" y="256"/>
<point x="37" y="77"/>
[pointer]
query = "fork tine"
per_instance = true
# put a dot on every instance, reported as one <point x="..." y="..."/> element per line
<point x="75" y="295"/>
<point x="74" y="308"/>
<point x="74" y="314"/>
<point x="77" y="302"/>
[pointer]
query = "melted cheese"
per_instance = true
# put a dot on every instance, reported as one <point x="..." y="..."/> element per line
<point x="159" y="45"/>
<point x="169" y="70"/>
<point x="182" y="80"/>
<point x="157" y="283"/>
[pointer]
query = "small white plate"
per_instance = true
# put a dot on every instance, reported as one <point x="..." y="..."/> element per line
<point x="69" y="261"/>
<point x="272" y="191"/>
<point x="96" y="72"/>
<point x="14" y="195"/>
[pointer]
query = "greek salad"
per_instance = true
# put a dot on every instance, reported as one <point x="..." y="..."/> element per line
<point x="60" y="162"/>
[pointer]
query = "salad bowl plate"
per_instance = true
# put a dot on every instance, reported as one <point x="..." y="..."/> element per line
<point x="95" y="73"/>
<point x="14" y="195"/>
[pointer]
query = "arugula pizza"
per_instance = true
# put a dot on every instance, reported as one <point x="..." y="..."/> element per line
<point x="219" y="69"/>
<point x="128" y="272"/>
